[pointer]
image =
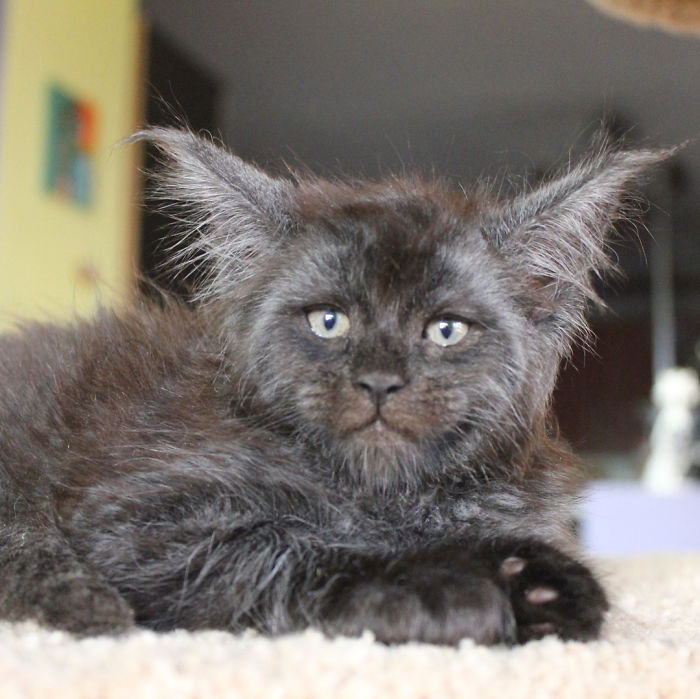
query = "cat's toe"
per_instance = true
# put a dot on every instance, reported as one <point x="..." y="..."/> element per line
<point x="541" y="595"/>
<point x="512" y="566"/>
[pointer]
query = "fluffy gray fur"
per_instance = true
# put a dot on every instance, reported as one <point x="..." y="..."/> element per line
<point x="221" y="465"/>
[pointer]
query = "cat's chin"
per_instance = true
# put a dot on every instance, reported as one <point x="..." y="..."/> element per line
<point x="379" y="457"/>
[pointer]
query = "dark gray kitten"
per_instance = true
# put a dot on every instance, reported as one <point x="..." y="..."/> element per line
<point x="348" y="430"/>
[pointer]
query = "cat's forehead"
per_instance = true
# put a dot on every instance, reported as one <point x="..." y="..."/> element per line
<point x="393" y="221"/>
<point x="381" y="243"/>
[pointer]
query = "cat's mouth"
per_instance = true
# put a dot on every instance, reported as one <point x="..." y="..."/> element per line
<point x="378" y="430"/>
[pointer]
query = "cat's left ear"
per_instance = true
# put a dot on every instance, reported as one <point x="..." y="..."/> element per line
<point x="556" y="235"/>
<point x="231" y="211"/>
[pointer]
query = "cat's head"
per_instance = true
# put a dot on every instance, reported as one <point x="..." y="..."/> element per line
<point x="400" y="327"/>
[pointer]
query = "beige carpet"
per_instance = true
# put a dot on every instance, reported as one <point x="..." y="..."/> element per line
<point x="651" y="648"/>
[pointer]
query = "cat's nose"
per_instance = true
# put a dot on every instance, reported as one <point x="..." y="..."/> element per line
<point x="379" y="384"/>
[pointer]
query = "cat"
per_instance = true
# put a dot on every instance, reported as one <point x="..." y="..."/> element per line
<point x="347" y="429"/>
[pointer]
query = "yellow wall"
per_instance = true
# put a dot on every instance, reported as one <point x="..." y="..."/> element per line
<point x="49" y="246"/>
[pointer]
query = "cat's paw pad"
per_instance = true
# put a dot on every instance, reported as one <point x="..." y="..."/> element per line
<point x="552" y="594"/>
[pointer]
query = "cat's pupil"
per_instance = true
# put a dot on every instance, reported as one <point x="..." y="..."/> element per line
<point x="329" y="320"/>
<point x="446" y="328"/>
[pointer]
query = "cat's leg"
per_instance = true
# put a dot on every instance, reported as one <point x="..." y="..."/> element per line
<point x="231" y="570"/>
<point x="285" y="575"/>
<point x="504" y="592"/>
<point x="42" y="580"/>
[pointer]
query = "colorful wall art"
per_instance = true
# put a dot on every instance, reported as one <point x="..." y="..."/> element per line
<point x="71" y="146"/>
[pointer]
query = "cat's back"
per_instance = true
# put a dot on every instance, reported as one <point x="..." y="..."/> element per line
<point x="63" y="384"/>
<point x="123" y="352"/>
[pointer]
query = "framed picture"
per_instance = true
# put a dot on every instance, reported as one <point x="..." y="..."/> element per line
<point x="72" y="136"/>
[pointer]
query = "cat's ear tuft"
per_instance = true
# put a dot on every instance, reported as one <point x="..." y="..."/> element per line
<point x="228" y="209"/>
<point x="556" y="236"/>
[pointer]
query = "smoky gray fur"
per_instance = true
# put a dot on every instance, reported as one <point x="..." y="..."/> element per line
<point x="217" y="465"/>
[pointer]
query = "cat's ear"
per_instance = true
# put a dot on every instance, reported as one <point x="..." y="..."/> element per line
<point x="556" y="236"/>
<point x="230" y="211"/>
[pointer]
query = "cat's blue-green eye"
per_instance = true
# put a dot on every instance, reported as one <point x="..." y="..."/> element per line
<point x="328" y="323"/>
<point x="446" y="331"/>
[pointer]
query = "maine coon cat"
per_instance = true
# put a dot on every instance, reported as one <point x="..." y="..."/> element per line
<point x="349" y="429"/>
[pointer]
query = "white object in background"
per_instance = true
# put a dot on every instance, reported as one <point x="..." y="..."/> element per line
<point x="676" y="393"/>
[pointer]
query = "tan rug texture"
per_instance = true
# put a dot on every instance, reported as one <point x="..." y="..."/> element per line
<point x="650" y="648"/>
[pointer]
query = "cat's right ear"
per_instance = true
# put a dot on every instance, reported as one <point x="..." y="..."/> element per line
<point x="231" y="211"/>
<point x="556" y="235"/>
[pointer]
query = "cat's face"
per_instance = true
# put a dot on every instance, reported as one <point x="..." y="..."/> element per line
<point x="389" y="333"/>
<point x="397" y="327"/>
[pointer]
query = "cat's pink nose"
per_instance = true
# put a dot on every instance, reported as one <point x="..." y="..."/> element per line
<point x="379" y="384"/>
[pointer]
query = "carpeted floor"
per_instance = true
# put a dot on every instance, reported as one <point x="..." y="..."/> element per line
<point x="650" y="648"/>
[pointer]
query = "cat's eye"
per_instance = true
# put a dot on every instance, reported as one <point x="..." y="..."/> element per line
<point x="328" y="322"/>
<point x="446" y="331"/>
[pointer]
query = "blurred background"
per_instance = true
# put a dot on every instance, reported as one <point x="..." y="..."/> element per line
<point x="467" y="89"/>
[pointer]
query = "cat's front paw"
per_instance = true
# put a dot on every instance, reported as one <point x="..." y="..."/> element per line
<point x="424" y="598"/>
<point x="552" y="593"/>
